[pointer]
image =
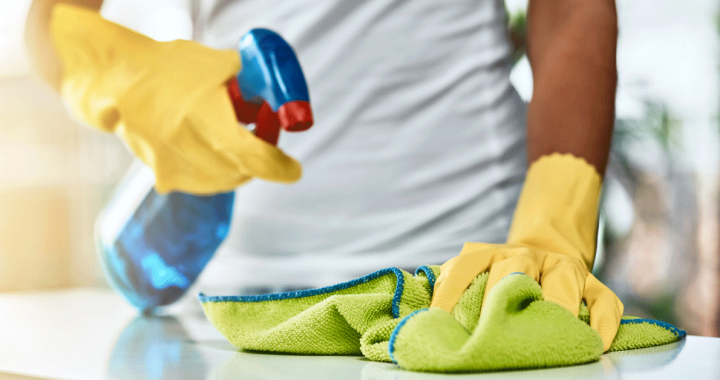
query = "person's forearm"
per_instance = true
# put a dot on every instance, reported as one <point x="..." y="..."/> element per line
<point x="37" y="38"/>
<point x="572" y="49"/>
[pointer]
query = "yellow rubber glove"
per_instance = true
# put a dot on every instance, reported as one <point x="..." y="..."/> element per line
<point x="552" y="239"/>
<point x="166" y="100"/>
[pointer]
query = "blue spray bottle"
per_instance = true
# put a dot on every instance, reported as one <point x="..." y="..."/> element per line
<point x="153" y="246"/>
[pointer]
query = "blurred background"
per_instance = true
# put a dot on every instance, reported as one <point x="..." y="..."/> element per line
<point x="660" y="227"/>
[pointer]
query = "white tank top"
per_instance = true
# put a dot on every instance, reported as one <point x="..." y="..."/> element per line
<point x="418" y="143"/>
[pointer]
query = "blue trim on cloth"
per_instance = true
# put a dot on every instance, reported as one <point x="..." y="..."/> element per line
<point x="679" y="333"/>
<point x="399" y="287"/>
<point x="429" y="274"/>
<point x="396" y="330"/>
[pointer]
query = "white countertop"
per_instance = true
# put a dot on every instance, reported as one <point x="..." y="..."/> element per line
<point x="94" y="334"/>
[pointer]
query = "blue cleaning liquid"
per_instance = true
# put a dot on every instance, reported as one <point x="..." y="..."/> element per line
<point x="154" y="253"/>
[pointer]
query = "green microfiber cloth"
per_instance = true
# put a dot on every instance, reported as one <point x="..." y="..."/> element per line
<point x="385" y="317"/>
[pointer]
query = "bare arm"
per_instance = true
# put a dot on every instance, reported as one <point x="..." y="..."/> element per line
<point x="572" y="48"/>
<point x="37" y="38"/>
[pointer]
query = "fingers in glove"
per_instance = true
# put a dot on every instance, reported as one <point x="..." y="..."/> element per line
<point x="563" y="282"/>
<point x="207" y="152"/>
<point x="523" y="262"/>
<point x="457" y="274"/>
<point x="606" y="310"/>
<point x="193" y="154"/>
<point x="252" y="156"/>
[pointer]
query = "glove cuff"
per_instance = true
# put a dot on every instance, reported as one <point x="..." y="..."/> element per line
<point x="558" y="207"/>
<point x="76" y="34"/>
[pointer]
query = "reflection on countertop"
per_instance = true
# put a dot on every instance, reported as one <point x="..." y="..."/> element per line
<point x="159" y="348"/>
<point x="94" y="334"/>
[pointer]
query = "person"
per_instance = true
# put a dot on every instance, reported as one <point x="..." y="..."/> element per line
<point x="420" y="143"/>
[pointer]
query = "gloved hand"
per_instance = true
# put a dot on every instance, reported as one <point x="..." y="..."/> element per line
<point x="552" y="239"/>
<point x="166" y="100"/>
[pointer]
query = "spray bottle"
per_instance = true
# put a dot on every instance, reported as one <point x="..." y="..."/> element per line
<point x="153" y="246"/>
